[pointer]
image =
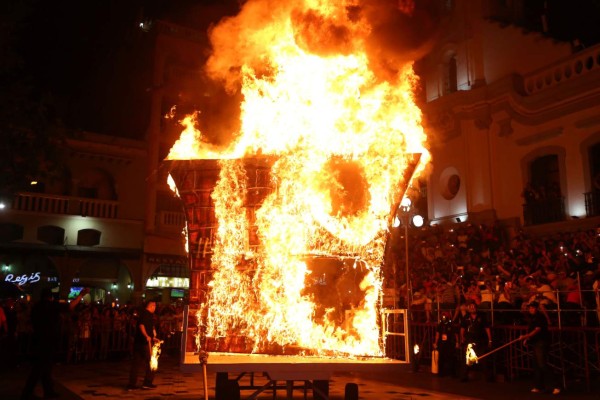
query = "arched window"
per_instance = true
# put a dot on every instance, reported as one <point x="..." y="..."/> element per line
<point x="543" y="196"/>
<point x="88" y="237"/>
<point x="10" y="232"/>
<point x="545" y="176"/>
<point x="50" y="234"/>
<point x="594" y="157"/>
<point x="592" y="197"/>
<point x="450" y="78"/>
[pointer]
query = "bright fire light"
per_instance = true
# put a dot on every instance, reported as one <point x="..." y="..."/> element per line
<point x="154" y="355"/>
<point x="471" y="356"/>
<point x="339" y="138"/>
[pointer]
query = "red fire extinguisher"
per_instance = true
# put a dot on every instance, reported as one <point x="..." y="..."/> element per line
<point x="435" y="354"/>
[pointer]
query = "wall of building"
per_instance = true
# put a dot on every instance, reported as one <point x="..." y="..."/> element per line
<point x="102" y="190"/>
<point x="535" y="98"/>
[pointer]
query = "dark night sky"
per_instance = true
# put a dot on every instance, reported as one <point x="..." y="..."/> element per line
<point x="87" y="54"/>
<point x="94" y="59"/>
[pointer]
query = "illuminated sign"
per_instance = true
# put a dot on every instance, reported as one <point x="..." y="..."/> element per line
<point x="23" y="279"/>
<point x="165" y="281"/>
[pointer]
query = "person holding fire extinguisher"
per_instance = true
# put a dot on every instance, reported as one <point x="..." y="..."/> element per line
<point x="444" y="343"/>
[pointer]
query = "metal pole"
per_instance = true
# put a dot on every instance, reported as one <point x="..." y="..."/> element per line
<point x="583" y="316"/>
<point x="408" y="291"/>
<point x="395" y="285"/>
<point x="203" y="358"/>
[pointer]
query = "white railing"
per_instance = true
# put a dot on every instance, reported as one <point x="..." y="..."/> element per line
<point x="577" y="65"/>
<point x="53" y="204"/>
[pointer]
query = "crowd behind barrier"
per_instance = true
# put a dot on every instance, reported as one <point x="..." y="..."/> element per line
<point x="450" y="266"/>
<point x="501" y="274"/>
<point x="92" y="332"/>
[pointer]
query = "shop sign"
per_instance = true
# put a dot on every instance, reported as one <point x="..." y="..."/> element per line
<point x="165" y="281"/>
<point x="23" y="279"/>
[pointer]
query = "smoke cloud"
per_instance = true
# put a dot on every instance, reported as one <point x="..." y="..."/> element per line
<point x="392" y="32"/>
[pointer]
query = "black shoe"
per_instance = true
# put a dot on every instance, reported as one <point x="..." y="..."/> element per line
<point x="148" y="386"/>
<point x="130" y="388"/>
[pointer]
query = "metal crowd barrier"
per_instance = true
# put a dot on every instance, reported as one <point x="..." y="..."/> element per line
<point x="574" y="354"/>
<point x="97" y="342"/>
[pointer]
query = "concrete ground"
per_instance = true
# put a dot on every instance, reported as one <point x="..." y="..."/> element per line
<point x="108" y="380"/>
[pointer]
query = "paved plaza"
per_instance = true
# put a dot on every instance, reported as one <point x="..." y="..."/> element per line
<point x="107" y="380"/>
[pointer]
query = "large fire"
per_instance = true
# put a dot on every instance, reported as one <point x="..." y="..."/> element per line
<point x="338" y="137"/>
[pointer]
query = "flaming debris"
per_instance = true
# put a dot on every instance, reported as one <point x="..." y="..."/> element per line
<point x="341" y="137"/>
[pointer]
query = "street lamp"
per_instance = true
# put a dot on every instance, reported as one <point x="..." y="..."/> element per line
<point x="406" y="215"/>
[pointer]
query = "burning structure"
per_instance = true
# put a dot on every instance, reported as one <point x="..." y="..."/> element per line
<point x="287" y="222"/>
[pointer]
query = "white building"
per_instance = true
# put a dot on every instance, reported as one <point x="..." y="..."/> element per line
<point x="507" y="107"/>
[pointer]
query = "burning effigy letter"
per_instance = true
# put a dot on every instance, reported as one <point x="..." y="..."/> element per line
<point x="291" y="216"/>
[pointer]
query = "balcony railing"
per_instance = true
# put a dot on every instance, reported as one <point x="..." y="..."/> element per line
<point x="53" y="204"/>
<point x="544" y="211"/>
<point x="570" y="68"/>
<point x="171" y="219"/>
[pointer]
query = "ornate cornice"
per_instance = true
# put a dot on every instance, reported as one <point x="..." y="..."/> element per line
<point x="504" y="101"/>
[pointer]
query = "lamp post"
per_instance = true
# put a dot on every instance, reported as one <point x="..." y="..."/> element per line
<point x="406" y="215"/>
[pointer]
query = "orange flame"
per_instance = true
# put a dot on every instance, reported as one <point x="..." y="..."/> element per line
<point x="471" y="356"/>
<point x="154" y="354"/>
<point x="339" y="138"/>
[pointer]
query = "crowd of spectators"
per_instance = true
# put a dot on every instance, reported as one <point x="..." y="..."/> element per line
<point x="502" y="273"/>
<point x="449" y="267"/>
<point x="91" y="332"/>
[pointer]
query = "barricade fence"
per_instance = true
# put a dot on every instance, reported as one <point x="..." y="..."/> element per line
<point x="574" y="354"/>
<point x="562" y="309"/>
<point x="84" y="340"/>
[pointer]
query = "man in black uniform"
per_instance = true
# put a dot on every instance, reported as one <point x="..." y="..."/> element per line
<point x="538" y="337"/>
<point x="145" y="336"/>
<point x="475" y="330"/>
<point x="46" y="322"/>
<point x="445" y="343"/>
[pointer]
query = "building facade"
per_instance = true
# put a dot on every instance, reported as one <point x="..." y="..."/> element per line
<point x="512" y="117"/>
<point x="83" y="229"/>
<point x="112" y="223"/>
<point x="90" y="228"/>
